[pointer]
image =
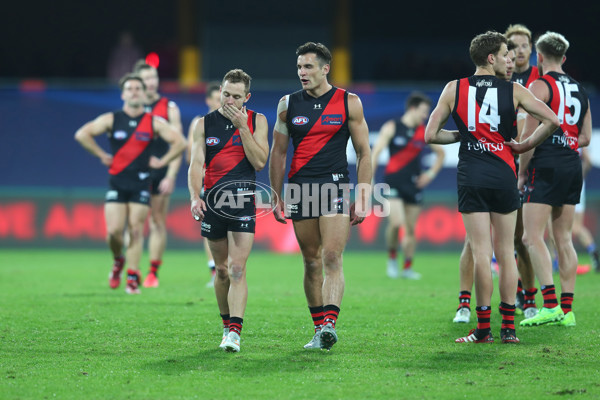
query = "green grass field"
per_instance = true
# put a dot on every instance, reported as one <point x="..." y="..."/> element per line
<point x="64" y="334"/>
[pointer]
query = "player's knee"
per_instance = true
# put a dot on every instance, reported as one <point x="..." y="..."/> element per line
<point x="158" y="220"/>
<point x="526" y="240"/>
<point x="409" y="232"/>
<point x="222" y="271"/>
<point x="519" y="246"/>
<point x="332" y="259"/>
<point x="115" y="232"/>
<point x="236" y="271"/>
<point x="135" y="235"/>
<point x="394" y="226"/>
<point x="563" y="241"/>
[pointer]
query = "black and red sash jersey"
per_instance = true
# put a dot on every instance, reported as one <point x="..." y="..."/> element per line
<point x="569" y="101"/>
<point x="160" y="108"/>
<point x="526" y="77"/>
<point x="226" y="160"/>
<point x="130" y="140"/>
<point x="319" y="131"/>
<point x="406" y="149"/>
<point x="484" y="113"/>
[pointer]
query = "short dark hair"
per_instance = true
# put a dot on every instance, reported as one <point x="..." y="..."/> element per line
<point x="415" y="99"/>
<point x="553" y="45"/>
<point x="322" y="52"/>
<point x="485" y="44"/>
<point x="128" y="77"/>
<point x="238" y="75"/>
<point x="141" y="65"/>
<point x="212" y="87"/>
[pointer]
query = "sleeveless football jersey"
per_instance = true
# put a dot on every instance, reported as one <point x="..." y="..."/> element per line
<point x="160" y="108"/>
<point x="130" y="141"/>
<point x="226" y="160"/>
<point x="484" y="113"/>
<point x="526" y="77"/>
<point x="569" y="101"/>
<point x="319" y="131"/>
<point x="406" y="149"/>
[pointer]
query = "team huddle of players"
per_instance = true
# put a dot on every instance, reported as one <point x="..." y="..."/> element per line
<point x="228" y="145"/>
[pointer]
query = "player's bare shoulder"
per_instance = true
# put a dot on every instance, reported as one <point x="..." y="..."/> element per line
<point x="355" y="107"/>
<point x="104" y="122"/>
<point x="282" y="107"/>
<point x="197" y="127"/>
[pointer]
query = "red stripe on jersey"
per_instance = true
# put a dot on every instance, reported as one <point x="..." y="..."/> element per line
<point x="319" y="135"/>
<point x="161" y="108"/>
<point x="571" y="131"/>
<point x="483" y="132"/>
<point x="135" y="145"/>
<point x="227" y="158"/>
<point x="407" y="154"/>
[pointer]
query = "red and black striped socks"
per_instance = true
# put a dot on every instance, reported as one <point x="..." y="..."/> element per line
<point x="529" y="298"/>
<point x="225" y="318"/>
<point x="154" y="265"/>
<point x="235" y="325"/>
<point x="464" y="300"/>
<point x="331" y="314"/>
<point x="508" y="316"/>
<point x="483" y="321"/>
<point x="318" y="314"/>
<point x="119" y="262"/>
<point x="549" y="294"/>
<point x="566" y="302"/>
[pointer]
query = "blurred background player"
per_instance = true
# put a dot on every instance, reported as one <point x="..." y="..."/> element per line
<point x="131" y="132"/>
<point x="213" y="102"/>
<point x="405" y="139"/>
<point x="233" y="142"/>
<point x="319" y="119"/>
<point x="163" y="179"/>
<point x="524" y="72"/>
<point x="551" y="176"/>
<point x="483" y="107"/>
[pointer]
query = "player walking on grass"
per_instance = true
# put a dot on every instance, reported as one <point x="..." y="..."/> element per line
<point x="162" y="180"/>
<point x="233" y="143"/>
<point x="405" y="138"/>
<point x="319" y="119"/>
<point x="551" y="177"/>
<point x="131" y="132"/>
<point x="483" y="107"/>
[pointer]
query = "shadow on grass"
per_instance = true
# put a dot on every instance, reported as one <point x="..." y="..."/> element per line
<point x="252" y="363"/>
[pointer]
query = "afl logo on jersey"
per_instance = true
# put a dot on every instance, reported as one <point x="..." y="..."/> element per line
<point x="212" y="141"/>
<point x="300" y="120"/>
<point x="399" y="141"/>
<point x="120" y="135"/>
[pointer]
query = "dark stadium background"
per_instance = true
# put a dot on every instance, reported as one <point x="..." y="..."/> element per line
<point x="53" y="79"/>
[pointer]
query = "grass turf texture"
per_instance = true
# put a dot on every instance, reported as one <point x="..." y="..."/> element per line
<point x="65" y="334"/>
